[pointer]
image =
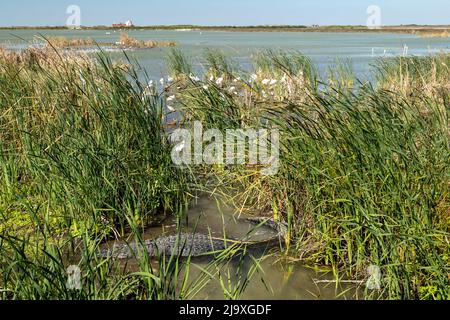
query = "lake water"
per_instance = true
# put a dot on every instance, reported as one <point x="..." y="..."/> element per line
<point x="323" y="48"/>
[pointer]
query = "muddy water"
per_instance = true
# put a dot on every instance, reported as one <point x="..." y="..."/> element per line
<point x="275" y="279"/>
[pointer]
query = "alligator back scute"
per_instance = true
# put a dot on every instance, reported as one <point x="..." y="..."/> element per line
<point x="186" y="245"/>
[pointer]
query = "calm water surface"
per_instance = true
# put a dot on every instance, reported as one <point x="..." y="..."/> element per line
<point x="323" y="48"/>
<point x="277" y="279"/>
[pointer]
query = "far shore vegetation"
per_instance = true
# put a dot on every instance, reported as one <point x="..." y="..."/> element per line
<point x="422" y="30"/>
<point x="125" y="41"/>
<point x="435" y="34"/>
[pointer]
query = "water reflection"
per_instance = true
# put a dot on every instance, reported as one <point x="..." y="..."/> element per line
<point x="261" y="273"/>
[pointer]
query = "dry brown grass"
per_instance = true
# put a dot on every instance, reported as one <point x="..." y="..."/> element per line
<point x="47" y="58"/>
<point x="126" y="40"/>
<point x="416" y="76"/>
<point x="63" y="42"/>
<point x="434" y="34"/>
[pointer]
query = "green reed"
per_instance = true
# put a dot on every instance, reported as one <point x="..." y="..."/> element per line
<point x="84" y="157"/>
<point x="86" y="135"/>
<point x="364" y="176"/>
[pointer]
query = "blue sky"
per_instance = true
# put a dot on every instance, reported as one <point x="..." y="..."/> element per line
<point x="225" y="12"/>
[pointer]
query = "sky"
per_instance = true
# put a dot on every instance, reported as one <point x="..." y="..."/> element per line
<point x="225" y="12"/>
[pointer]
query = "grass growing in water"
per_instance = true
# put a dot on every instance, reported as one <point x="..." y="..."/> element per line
<point x="82" y="134"/>
<point x="364" y="177"/>
<point x="127" y="41"/>
<point x="84" y="158"/>
<point x="63" y="42"/>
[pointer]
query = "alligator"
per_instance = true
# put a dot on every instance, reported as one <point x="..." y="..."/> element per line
<point x="194" y="245"/>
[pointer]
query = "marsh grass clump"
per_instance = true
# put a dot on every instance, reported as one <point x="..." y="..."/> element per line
<point x="84" y="159"/>
<point x="434" y="34"/>
<point x="415" y="77"/>
<point x="364" y="170"/>
<point x="85" y="139"/>
<point x="363" y="177"/>
<point x="63" y="42"/>
<point x="234" y="98"/>
<point x="127" y="41"/>
<point x="341" y="78"/>
<point x="376" y="197"/>
<point x="178" y="64"/>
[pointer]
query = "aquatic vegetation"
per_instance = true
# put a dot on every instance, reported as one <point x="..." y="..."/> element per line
<point x="364" y="176"/>
<point x="84" y="156"/>
<point x="415" y="77"/>
<point x="85" y="139"/>
<point x="127" y="41"/>
<point x="434" y="34"/>
<point x="63" y="42"/>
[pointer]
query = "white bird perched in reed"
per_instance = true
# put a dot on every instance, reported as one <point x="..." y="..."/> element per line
<point x="194" y="78"/>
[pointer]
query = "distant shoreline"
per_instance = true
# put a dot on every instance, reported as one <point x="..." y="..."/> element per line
<point x="408" y="29"/>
